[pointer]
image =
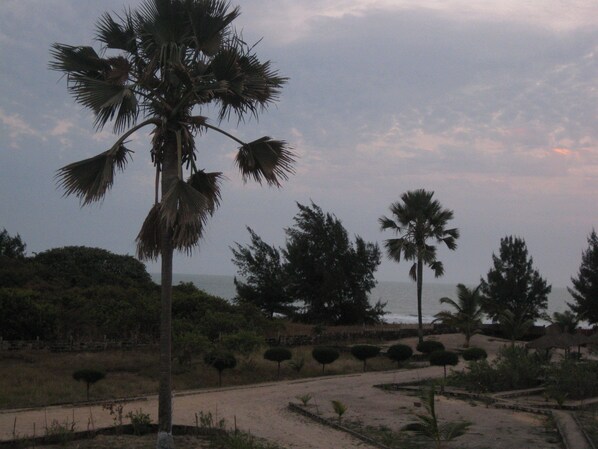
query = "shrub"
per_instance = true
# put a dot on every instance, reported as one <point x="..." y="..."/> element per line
<point x="473" y="354"/>
<point x="220" y="361"/>
<point x="89" y="376"/>
<point x="429" y="346"/>
<point x="513" y="369"/>
<point x="399" y="353"/>
<point x="278" y="355"/>
<point x="324" y="355"/>
<point x="140" y="421"/>
<point x="443" y="358"/>
<point x="365" y="352"/>
<point x="572" y="379"/>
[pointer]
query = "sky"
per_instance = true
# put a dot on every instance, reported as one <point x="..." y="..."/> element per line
<point x="493" y="105"/>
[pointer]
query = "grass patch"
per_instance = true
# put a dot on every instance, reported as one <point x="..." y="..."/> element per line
<point x="40" y="378"/>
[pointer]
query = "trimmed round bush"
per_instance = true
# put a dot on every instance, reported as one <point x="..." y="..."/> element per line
<point x="278" y="355"/>
<point x="365" y="352"/>
<point x="474" y="354"/>
<point x="89" y="376"/>
<point x="399" y="353"/>
<point x="324" y="355"/>
<point x="429" y="346"/>
<point x="443" y="358"/>
<point x="220" y="361"/>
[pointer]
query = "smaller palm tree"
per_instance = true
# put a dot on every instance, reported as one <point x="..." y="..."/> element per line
<point x="514" y="326"/>
<point x="467" y="316"/>
<point x="567" y="321"/>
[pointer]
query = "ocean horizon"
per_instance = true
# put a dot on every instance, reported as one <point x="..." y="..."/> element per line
<point x="400" y="297"/>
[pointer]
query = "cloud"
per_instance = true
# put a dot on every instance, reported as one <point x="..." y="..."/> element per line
<point x="17" y="128"/>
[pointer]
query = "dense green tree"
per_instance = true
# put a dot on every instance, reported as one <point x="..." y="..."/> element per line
<point x="512" y="284"/>
<point x="11" y="247"/>
<point x="417" y="220"/>
<point x="330" y="275"/>
<point x="264" y="281"/>
<point x="585" y="285"/>
<point x="80" y="266"/>
<point x="159" y="64"/>
<point x="467" y="314"/>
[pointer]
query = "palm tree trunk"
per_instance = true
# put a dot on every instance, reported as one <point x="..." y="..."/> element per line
<point x="169" y="173"/>
<point x="420" y="329"/>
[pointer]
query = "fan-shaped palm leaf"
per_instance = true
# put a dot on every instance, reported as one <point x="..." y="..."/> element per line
<point x="265" y="159"/>
<point x="91" y="178"/>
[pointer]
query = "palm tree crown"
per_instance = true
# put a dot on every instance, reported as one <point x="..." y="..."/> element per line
<point x="467" y="314"/>
<point x="158" y="66"/>
<point x="418" y="219"/>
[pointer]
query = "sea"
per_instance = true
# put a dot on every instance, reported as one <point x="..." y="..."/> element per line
<point x="400" y="297"/>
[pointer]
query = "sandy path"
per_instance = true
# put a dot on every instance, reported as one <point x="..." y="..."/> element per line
<point x="262" y="409"/>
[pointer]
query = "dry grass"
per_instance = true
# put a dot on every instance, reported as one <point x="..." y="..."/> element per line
<point x="38" y="378"/>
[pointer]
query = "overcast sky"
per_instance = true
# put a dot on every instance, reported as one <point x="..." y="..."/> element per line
<point x="493" y="105"/>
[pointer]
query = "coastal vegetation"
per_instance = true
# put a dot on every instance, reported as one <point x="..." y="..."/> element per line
<point x="165" y="60"/>
<point x="585" y="284"/>
<point x="513" y="284"/>
<point x="320" y="276"/>
<point x="417" y="219"/>
<point x="467" y="314"/>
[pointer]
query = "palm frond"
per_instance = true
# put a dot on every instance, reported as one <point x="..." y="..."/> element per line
<point x="265" y="159"/>
<point x="413" y="272"/>
<point x="91" y="178"/>
<point x="117" y="35"/>
<point x="210" y="24"/>
<point x="73" y="60"/>
<point x="149" y="241"/>
<point x="181" y="204"/>
<point x="438" y="268"/>
<point x="208" y="184"/>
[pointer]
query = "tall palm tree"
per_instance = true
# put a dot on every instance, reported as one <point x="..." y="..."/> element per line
<point x="159" y="65"/>
<point x="467" y="316"/>
<point x="419" y="219"/>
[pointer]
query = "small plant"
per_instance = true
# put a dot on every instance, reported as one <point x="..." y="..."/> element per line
<point x="63" y="432"/>
<point x="444" y="358"/>
<point x="324" y="355"/>
<point x="278" y="355"/>
<point x="220" y="361"/>
<point x="429" y="426"/>
<point x="305" y="398"/>
<point x="365" y="352"/>
<point x="298" y="364"/>
<point x="339" y="409"/>
<point x="116" y="411"/>
<point x="206" y="421"/>
<point x="89" y="376"/>
<point x="427" y="347"/>
<point x="474" y="354"/>
<point x="399" y="353"/>
<point x="140" y="421"/>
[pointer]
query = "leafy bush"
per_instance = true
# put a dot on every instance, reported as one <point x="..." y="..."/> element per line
<point x="89" y="376"/>
<point x="220" y="360"/>
<point x="278" y="355"/>
<point x="572" y="379"/>
<point x="365" y="352"/>
<point x="399" y="353"/>
<point x="140" y="421"/>
<point x="514" y="368"/>
<point x="429" y="346"/>
<point x="473" y="354"/>
<point x="324" y="355"/>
